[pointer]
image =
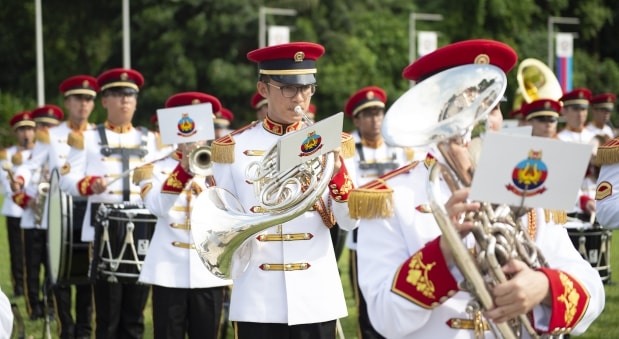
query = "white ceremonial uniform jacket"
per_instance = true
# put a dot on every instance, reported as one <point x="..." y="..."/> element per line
<point x="85" y="163"/>
<point x="172" y="260"/>
<point x="607" y="196"/>
<point x="290" y="297"/>
<point x="583" y="137"/>
<point x="9" y="207"/>
<point x="606" y="130"/>
<point x="403" y="275"/>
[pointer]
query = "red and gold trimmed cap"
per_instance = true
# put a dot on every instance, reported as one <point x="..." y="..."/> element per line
<point x="604" y="101"/>
<point x="541" y="107"/>
<point x="477" y="51"/>
<point x="257" y="101"/>
<point x="79" y="85"/>
<point x="121" y="77"/>
<point x="22" y="119"/>
<point x="579" y="97"/>
<point x="223" y="118"/>
<point x="48" y="114"/>
<point x="291" y="63"/>
<point x="193" y="98"/>
<point x="370" y="96"/>
<point x="516" y="114"/>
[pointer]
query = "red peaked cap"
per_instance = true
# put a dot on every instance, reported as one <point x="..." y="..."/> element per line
<point x="291" y="63"/>
<point x="541" y="107"/>
<point x="223" y="117"/>
<point x="257" y="101"/>
<point x="193" y="98"/>
<point x="604" y="100"/>
<point x="578" y="97"/>
<point x="121" y="77"/>
<point x="79" y="84"/>
<point x="48" y="114"/>
<point x="22" y="119"/>
<point x="371" y="96"/>
<point x="478" y="51"/>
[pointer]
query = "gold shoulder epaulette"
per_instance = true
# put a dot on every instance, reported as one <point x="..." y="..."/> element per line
<point x="142" y="173"/>
<point x="76" y="140"/>
<point x="348" y="146"/>
<point x="559" y="217"/>
<point x="42" y="135"/>
<point x="4" y="154"/>
<point x="375" y="199"/>
<point x="608" y="153"/>
<point x="222" y="149"/>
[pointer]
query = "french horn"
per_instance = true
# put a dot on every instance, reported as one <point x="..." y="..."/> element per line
<point x="220" y="226"/>
<point x="437" y="111"/>
<point x="535" y="81"/>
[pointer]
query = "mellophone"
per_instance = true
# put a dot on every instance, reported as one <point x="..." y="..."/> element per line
<point x="593" y="243"/>
<point x="122" y="236"/>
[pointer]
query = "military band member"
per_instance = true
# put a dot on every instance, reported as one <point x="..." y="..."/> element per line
<point x="97" y="157"/>
<point x="602" y="106"/>
<point x="542" y="115"/>
<point x="51" y="151"/>
<point x="373" y="158"/>
<point x="28" y="197"/>
<point x="187" y="299"/>
<point x="406" y="269"/>
<point x="575" y="106"/>
<point x="606" y="196"/>
<point x="10" y="158"/>
<point x="260" y="105"/>
<point x="290" y="287"/>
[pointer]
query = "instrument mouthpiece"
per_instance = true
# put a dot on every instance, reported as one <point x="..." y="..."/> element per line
<point x="299" y="110"/>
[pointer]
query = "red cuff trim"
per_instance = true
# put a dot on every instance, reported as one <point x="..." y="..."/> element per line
<point x="425" y="278"/>
<point x="583" y="202"/>
<point x="84" y="185"/>
<point x="341" y="185"/>
<point x="21" y="199"/>
<point x="176" y="181"/>
<point x="569" y="300"/>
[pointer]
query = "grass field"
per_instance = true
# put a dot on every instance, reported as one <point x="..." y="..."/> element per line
<point x="604" y="327"/>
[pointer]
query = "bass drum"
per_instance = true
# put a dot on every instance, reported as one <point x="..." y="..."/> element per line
<point x="68" y="258"/>
<point x="593" y="244"/>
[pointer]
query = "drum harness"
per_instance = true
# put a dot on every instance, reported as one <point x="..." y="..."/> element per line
<point x="125" y="154"/>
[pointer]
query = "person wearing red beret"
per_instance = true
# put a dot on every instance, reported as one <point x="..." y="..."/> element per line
<point x="50" y="152"/>
<point x="11" y="157"/>
<point x="98" y="168"/>
<point x="260" y="105"/>
<point x="290" y="286"/>
<point x="575" y="108"/>
<point x="408" y="274"/>
<point x="602" y="106"/>
<point x="187" y="299"/>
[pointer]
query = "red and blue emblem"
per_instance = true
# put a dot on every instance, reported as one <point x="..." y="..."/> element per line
<point x="311" y="144"/>
<point x="186" y="126"/>
<point x="529" y="175"/>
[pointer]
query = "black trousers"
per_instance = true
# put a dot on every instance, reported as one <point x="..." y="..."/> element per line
<point x="35" y="250"/>
<point x="119" y="309"/>
<point x="82" y="326"/>
<point x="324" y="330"/>
<point x="16" y="252"/>
<point x="195" y="312"/>
<point x="365" y="330"/>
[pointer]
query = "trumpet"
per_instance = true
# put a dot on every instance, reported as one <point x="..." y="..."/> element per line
<point x="200" y="161"/>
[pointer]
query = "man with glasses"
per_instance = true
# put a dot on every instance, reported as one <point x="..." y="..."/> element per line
<point x="290" y="287"/>
<point x="97" y="157"/>
<point x="542" y="115"/>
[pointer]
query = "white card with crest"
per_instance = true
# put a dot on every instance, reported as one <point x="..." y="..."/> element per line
<point x="182" y="124"/>
<point x="530" y="171"/>
<point x="310" y="142"/>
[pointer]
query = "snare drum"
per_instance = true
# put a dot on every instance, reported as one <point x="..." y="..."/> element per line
<point x="68" y="257"/>
<point x="122" y="237"/>
<point x="593" y="243"/>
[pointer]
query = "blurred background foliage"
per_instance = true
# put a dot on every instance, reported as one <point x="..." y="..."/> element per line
<point x="201" y="45"/>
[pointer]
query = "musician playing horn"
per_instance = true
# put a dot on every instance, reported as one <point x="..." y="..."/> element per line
<point x="187" y="299"/>
<point x="406" y="269"/>
<point x="291" y="287"/>
<point x="99" y="156"/>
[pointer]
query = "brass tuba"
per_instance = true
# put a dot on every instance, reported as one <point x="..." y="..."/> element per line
<point x="535" y="81"/>
<point x="220" y="226"/>
<point x="451" y="102"/>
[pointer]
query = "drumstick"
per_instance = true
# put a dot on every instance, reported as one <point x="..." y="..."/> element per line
<point x="592" y="218"/>
<point x="122" y="175"/>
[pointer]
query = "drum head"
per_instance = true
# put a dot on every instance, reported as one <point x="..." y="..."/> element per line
<point x="57" y="223"/>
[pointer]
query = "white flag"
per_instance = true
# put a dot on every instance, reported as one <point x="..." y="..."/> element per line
<point x="565" y="45"/>
<point x="426" y="42"/>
